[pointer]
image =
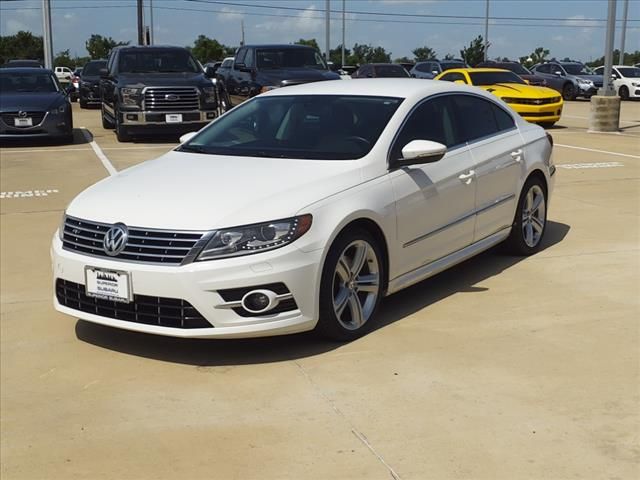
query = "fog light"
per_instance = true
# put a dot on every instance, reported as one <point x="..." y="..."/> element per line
<point x="211" y="115"/>
<point x="132" y="116"/>
<point x="259" y="301"/>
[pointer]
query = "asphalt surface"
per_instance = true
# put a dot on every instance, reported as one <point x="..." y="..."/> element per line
<point x="503" y="367"/>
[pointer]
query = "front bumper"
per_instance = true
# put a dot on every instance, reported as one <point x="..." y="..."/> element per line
<point x="539" y="113"/>
<point x="190" y="117"/>
<point x="587" y="90"/>
<point x="199" y="283"/>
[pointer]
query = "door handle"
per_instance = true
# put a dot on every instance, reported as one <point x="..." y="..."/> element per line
<point x="517" y="155"/>
<point x="467" y="178"/>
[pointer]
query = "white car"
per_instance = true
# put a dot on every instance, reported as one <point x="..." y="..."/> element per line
<point x="63" y="74"/>
<point x="301" y="208"/>
<point x="626" y="80"/>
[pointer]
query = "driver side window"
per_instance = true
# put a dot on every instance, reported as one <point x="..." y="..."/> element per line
<point x="432" y="120"/>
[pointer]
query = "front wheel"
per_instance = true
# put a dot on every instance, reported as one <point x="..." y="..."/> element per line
<point x="351" y="286"/>
<point x="569" y="92"/>
<point x="531" y="219"/>
<point x="623" y="93"/>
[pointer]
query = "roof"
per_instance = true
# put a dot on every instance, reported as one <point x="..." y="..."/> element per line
<point x="25" y="70"/>
<point x="376" y="87"/>
<point x="474" y="70"/>
<point x="279" y="45"/>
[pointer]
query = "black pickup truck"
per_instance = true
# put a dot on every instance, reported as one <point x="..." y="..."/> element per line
<point x="156" y="89"/>
<point x="259" y="68"/>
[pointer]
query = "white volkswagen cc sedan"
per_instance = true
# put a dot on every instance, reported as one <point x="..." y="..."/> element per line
<point x="302" y="208"/>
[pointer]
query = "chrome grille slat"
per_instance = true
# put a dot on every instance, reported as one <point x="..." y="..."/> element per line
<point x="187" y="98"/>
<point x="167" y="247"/>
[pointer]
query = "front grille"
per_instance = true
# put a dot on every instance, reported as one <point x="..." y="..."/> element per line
<point x="164" y="312"/>
<point x="36" y="118"/>
<point x="539" y="114"/>
<point x="598" y="84"/>
<point x="531" y="101"/>
<point x="236" y="294"/>
<point x="170" y="99"/>
<point x="143" y="245"/>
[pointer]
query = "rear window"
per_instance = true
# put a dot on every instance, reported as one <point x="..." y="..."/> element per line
<point x="492" y="78"/>
<point x="391" y="71"/>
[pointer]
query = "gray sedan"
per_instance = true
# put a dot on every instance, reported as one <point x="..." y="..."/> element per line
<point x="33" y="105"/>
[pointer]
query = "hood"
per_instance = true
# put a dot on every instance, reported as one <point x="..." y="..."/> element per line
<point x="517" y="90"/>
<point x="295" y="75"/>
<point x="534" y="79"/>
<point x="593" y="78"/>
<point x="163" y="79"/>
<point x="12" y="102"/>
<point x="187" y="191"/>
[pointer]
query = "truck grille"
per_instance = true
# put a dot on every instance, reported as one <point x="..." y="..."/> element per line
<point x="36" y="118"/>
<point x="170" y="99"/>
<point x="164" y="312"/>
<point x="143" y="244"/>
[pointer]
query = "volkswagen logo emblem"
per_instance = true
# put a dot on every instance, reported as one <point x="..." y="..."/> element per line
<point x="171" y="97"/>
<point x="22" y="114"/>
<point x="115" y="239"/>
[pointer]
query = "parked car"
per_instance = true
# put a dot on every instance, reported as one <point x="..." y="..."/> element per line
<point x="89" y="91"/>
<point x="302" y="208"/>
<point x="381" y="70"/>
<point x="63" y="74"/>
<point x="34" y="105"/>
<point x="540" y="105"/>
<point x="155" y="89"/>
<point x="22" y="63"/>
<point x="518" y="69"/>
<point x="406" y="65"/>
<point x="430" y="68"/>
<point x="571" y="79"/>
<point x="626" y="80"/>
<point x="259" y="68"/>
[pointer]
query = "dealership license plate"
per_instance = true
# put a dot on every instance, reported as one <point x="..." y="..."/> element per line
<point x="23" y="122"/>
<point x="108" y="284"/>
<point x="173" y="118"/>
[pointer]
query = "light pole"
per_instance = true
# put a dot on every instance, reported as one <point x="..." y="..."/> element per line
<point x="46" y="30"/>
<point x="151" y="22"/>
<point x="343" y="12"/>
<point x="327" y="30"/>
<point x="624" y="31"/>
<point x="486" y="33"/>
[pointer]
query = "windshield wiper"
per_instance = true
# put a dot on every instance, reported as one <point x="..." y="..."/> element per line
<point x="192" y="149"/>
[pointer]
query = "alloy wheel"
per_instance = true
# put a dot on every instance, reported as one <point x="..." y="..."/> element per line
<point x="533" y="216"/>
<point x="356" y="285"/>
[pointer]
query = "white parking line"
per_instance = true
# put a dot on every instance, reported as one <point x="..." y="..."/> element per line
<point x="597" y="151"/>
<point x="99" y="153"/>
<point x="5" y="151"/>
<point x="590" y="165"/>
<point x="28" y="193"/>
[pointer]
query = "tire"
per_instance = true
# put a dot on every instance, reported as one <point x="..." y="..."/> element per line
<point x="106" y="124"/>
<point x="83" y="104"/>
<point x="121" y="131"/>
<point x="624" y="93"/>
<point x="529" y="226"/>
<point x="569" y="92"/>
<point x="351" y="286"/>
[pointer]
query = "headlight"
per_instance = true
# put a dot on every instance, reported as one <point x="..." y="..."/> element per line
<point x="582" y="81"/>
<point x="61" y="109"/>
<point x="130" y="96"/>
<point x="209" y="94"/>
<point x="635" y="84"/>
<point x="260" y="237"/>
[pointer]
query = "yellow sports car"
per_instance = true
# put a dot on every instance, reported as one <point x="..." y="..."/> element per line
<point x="540" y="105"/>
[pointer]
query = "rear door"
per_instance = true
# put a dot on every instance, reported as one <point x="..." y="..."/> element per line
<point x="496" y="146"/>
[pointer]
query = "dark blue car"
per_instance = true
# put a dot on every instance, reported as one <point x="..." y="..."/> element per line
<point x="34" y="105"/>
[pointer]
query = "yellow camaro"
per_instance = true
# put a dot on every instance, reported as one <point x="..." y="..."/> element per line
<point x="535" y="104"/>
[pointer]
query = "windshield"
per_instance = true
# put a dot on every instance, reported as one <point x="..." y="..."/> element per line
<point x="629" y="72"/>
<point x="577" y="69"/>
<point x="93" y="68"/>
<point x="327" y="127"/>
<point x="157" y="61"/>
<point x="290" y="58"/>
<point x="27" y="82"/>
<point x="515" y="68"/>
<point x="492" y="78"/>
<point x="391" y="71"/>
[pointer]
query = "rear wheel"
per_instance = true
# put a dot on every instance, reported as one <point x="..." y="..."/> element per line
<point x="569" y="92"/>
<point x="624" y="93"/>
<point x="351" y="286"/>
<point x="531" y="219"/>
<point x="106" y="123"/>
<point x="83" y="104"/>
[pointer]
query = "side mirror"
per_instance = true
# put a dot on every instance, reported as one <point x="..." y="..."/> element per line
<point x="209" y="72"/>
<point x="417" y="152"/>
<point x="558" y="73"/>
<point x="435" y="72"/>
<point x="104" y="72"/>
<point x="187" y="136"/>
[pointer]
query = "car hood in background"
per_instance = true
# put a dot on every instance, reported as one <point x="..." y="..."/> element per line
<point x="518" y="90"/>
<point x="31" y="102"/>
<point x="188" y="191"/>
<point x="295" y="75"/>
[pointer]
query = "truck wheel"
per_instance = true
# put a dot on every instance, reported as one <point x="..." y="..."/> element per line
<point x="83" y="104"/>
<point x="106" y="124"/>
<point x="121" y="131"/>
<point x="569" y="92"/>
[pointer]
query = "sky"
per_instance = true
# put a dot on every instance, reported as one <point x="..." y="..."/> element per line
<point x="179" y="22"/>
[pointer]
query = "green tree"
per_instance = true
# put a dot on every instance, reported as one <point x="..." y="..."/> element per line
<point x="424" y="53"/>
<point x="630" y="58"/>
<point x="99" y="46"/>
<point x="362" y="54"/>
<point x="449" y="56"/>
<point x="474" y="53"/>
<point x="24" y="45"/>
<point x="403" y="60"/>
<point x="311" y="42"/>
<point x="539" y="55"/>
<point x="207" y="49"/>
<point x="335" y="55"/>
<point x="63" y="59"/>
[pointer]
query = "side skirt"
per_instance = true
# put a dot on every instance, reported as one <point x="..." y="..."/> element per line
<point x="429" y="270"/>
